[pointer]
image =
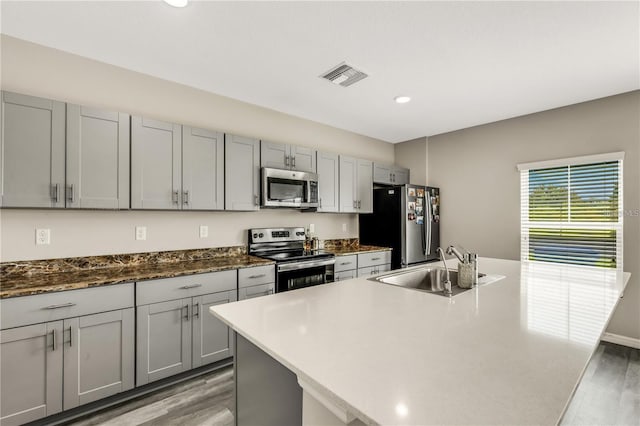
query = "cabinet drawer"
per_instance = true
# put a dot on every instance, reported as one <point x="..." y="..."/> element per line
<point x="153" y="291"/>
<point x="373" y="270"/>
<point x="373" y="259"/>
<point x="39" y="308"/>
<point x="258" y="275"/>
<point x="346" y="263"/>
<point x="256" y="291"/>
<point x="344" y="275"/>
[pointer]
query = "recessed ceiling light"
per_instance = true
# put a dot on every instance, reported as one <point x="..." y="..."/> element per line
<point x="177" y="3"/>
<point x="402" y="99"/>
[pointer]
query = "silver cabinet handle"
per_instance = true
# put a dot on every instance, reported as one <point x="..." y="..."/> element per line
<point x="62" y="305"/>
<point x="53" y="340"/>
<point x="185" y="197"/>
<point x="345" y="263"/>
<point x="196" y="313"/>
<point x="54" y="192"/>
<point x="270" y="291"/>
<point x="174" y="197"/>
<point x="375" y="258"/>
<point x="71" y="196"/>
<point x="187" y="287"/>
<point x="320" y="202"/>
<point x="355" y="204"/>
<point x="286" y="160"/>
<point x="186" y="316"/>
<point x="257" y="276"/>
<point x="359" y="204"/>
<point x="293" y="161"/>
<point x="70" y="336"/>
<point x="255" y="199"/>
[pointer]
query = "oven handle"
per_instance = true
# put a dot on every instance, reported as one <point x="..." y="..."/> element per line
<point x="305" y="265"/>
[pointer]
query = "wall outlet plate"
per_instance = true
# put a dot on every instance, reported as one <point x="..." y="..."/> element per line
<point x="344" y="227"/>
<point x="141" y="233"/>
<point x="43" y="236"/>
<point x="204" y="231"/>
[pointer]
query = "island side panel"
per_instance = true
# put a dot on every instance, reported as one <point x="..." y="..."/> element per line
<point x="267" y="393"/>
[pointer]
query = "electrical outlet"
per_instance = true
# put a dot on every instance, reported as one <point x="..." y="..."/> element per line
<point x="204" y="231"/>
<point x="344" y="227"/>
<point x="43" y="237"/>
<point x="141" y="233"/>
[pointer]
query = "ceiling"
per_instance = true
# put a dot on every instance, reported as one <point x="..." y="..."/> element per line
<point x="463" y="63"/>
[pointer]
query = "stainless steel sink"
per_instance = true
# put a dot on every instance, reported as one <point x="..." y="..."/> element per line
<point x="430" y="279"/>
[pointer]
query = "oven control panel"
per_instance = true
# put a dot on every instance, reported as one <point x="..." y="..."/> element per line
<point x="269" y="235"/>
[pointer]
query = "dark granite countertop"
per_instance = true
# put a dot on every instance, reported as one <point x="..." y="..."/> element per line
<point x="26" y="282"/>
<point x="349" y="250"/>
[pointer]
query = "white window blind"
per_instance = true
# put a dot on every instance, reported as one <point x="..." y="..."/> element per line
<point x="571" y="211"/>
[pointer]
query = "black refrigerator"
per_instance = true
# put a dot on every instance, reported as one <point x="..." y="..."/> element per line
<point x="407" y="219"/>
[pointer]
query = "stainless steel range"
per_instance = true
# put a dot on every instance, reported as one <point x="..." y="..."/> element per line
<point x="295" y="266"/>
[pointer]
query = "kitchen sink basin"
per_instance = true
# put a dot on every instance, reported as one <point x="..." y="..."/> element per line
<point x="430" y="279"/>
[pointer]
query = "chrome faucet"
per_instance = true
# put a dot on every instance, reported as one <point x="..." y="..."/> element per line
<point x="447" y="282"/>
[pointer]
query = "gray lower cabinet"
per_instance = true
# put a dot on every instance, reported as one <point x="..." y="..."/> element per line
<point x="257" y="281"/>
<point x="374" y="263"/>
<point x="64" y="349"/>
<point x="31" y="372"/>
<point x="32" y="151"/>
<point x="177" y="334"/>
<point x="241" y="173"/>
<point x="97" y="158"/>
<point x="328" y="182"/>
<point x="98" y="356"/>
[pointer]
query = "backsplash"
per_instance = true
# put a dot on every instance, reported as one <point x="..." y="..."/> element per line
<point x="341" y="242"/>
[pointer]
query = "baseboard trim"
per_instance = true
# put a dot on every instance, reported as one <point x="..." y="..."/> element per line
<point x="621" y="340"/>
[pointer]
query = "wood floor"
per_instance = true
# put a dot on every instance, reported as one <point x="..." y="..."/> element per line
<point x="609" y="394"/>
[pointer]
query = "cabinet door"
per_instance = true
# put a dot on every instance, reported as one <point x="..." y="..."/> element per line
<point x="98" y="356"/>
<point x="365" y="186"/>
<point x="212" y="339"/>
<point x="155" y="164"/>
<point x="97" y="158"/>
<point x="400" y="176"/>
<point x="347" y="184"/>
<point x="202" y="169"/>
<point x="31" y="151"/>
<point x="382" y="174"/>
<point x="328" y="182"/>
<point x="256" y="291"/>
<point x="303" y="159"/>
<point x="163" y="340"/>
<point x="241" y="173"/>
<point x="30" y="372"/>
<point x="274" y="155"/>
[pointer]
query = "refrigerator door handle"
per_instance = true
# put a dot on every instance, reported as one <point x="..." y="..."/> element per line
<point x="427" y="222"/>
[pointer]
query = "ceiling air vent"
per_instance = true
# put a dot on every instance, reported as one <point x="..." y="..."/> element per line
<point x="344" y="75"/>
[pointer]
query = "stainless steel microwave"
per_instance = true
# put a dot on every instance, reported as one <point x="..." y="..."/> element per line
<point x="289" y="188"/>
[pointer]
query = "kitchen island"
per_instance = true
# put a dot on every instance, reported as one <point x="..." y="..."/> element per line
<point x="359" y="351"/>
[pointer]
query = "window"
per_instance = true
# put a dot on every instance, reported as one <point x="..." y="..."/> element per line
<point x="571" y="211"/>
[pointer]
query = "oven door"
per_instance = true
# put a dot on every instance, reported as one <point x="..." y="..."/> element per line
<point x="294" y="275"/>
<point x="287" y="188"/>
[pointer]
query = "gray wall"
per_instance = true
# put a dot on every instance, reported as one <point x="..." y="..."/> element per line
<point x="476" y="170"/>
<point x="41" y="71"/>
<point x="413" y="156"/>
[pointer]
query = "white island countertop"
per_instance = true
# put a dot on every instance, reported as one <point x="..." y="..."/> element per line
<point x="509" y="352"/>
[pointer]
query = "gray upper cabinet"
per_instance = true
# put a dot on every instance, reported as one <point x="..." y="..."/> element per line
<point x="97" y="158"/>
<point x="98" y="356"/>
<point x="284" y="156"/>
<point x="31" y="372"/>
<point x="356" y="185"/>
<point x="32" y="152"/>
<point x="390" y="174"/>
<point x="241" y="173"/>
<point x="348" y="194"/>
<point x="364" y="184"/>
<point x="155" y="164"/>
<point x="328" y="182"/>
<point x="202" y="169"/>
